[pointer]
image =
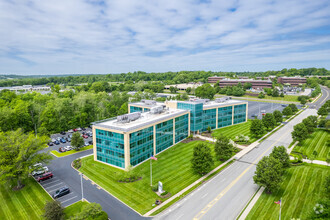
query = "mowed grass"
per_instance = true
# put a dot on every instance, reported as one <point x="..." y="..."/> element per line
<point x="302" y="188"/>
<point x="173" y="169"/>
<point x="319" y="142"/>
<point x="62" y="154"/>
<point x="234" y="130"/>
<point x="288" y="98"/>
<point x="27" y="203"/>
<point x="74" y="209"/>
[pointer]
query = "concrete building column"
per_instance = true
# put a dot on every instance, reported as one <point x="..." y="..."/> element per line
<point x="188" y="123"/>
<point x="94" y="143"/>
<point x="232" y="116"/>
<point x="173" y="131"/>
<point x="127" y="151"/>
<point x="246" y="111"/>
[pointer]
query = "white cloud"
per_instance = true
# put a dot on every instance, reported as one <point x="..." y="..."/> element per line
<point x="124" y="35"/>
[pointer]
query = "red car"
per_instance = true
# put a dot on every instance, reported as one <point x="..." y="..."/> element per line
<point x="61" y="149"/>
<point x="85" y="136"/>
<point x="75" y="129"/>
<point x="44" y="176"/>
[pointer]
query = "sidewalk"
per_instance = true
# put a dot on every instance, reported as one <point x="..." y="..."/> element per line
<point x="319" y="162"/>
<point x="214" y="140"/>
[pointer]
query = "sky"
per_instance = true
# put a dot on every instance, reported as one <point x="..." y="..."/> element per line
<point x="119" y="36"/>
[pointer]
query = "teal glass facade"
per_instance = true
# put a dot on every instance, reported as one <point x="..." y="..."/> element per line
<point x="135" y="109"/>
<point x="196" y="113"/>
<point x="141" y="145"/>
<point x="110" y="148"/>
<point x="164" y="135"/>
<point x="225" y="116"/>
<point x="181" y="127"/>
<point x="239" y="113"/>
<point x="209" y="119"/>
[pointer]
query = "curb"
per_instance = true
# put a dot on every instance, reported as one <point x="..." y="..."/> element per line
<point x="250" y="204"/>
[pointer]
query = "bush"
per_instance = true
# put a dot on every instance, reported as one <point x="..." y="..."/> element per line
<point x="164" y="193"/>
<point x="131" y="175"/>
<point x="77" y="163"/>
<point x="53" y="210"/>
<point x="154" y="187"/>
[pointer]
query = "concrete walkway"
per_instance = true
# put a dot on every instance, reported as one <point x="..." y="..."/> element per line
<point x="214" y="140"/>
<point x="319" y="162"/>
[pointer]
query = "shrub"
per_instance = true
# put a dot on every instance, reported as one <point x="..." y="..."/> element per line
<point x="154" y="187"/>
<point x="164" y="193"/>
<point x="77" y="163"/>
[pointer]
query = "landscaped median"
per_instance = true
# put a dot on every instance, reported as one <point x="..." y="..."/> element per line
<point x="62" y="154"/>
<point x="173" y="169"/>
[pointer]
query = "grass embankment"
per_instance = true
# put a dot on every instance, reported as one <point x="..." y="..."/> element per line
<point x="287" y="98"/>
<point x="301" y="189"/>
<point x="173" y="169"/>
<point x="234" y="130"/>
<point x="319" y="142"/>
<point x="27" y="203"/>
<point x="59" y="154"/>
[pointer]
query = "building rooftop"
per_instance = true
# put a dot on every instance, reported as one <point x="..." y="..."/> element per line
<point x="215" y="103"/>
<point x="148" y="104"/>
<point x="145" y="119"/>
<point x="245" y="80"/>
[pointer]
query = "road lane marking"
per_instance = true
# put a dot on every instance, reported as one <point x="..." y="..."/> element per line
<point x="220" y="195"/>
<point x="48" y="187"/>
<point x="69" y="199"/>
<point x="204" y="195"/>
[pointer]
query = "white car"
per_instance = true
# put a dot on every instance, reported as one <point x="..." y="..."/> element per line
<point x="86" y="144"/>
<point x="70" y="131"/>
<point x="39" y="169"/>
<point x="78" y="129"/>
<point x="68" y="148"/>
<point x="53" y="140"/>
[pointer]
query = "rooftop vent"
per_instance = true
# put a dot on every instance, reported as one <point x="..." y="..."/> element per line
<point x="221" y="100"/>
<point x="148" y="102"/>
<point x="204" y="101"/>
<point x="128" y="117"/>
<point x="157" y="110"/>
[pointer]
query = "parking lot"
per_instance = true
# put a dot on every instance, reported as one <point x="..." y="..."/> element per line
<point x="55" y="136"/>
<point x="255" y="107"/>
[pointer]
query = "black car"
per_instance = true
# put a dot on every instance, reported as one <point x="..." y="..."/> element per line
<point x="57" y="142"/>
<point x="84" y="129"/>
<point x="61" y="192"/>
<point x="50" y="144"/>
<point x="62" y="133"/>
<point x="90" y="142"/>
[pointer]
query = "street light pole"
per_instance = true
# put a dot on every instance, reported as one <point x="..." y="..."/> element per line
<point x="150" y="172"/>
<point x="82" y="189"/>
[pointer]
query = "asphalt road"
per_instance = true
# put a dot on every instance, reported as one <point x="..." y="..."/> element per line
<point x="227" y="194"/>
<point x="323" y="99"/>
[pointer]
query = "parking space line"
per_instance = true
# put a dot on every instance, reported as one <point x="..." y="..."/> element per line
<point x="53" y="190"/>
<point x="53" y="185"/>
<point x="68" y="199"/>
<point x="49" y="182"/>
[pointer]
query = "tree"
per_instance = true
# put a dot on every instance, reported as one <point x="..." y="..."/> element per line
<point x="173" y="89"/>
<point x="18" y="153"/>
<point x="188" y="90"/>
<point x="53" y="210"/>
<point x="202" y="160"/>
<point x="278" y="116"/>
<point x="77" y="141"/>
<point x="205" y="91"/>
<point x="261" y="95"/>
<point x="91" y="211"/>
<point x="223" y="149"/>
<point x="269" y="121"/>
<point x="313" y="156"/>
<point x="287" y="111"/>
<point x="293" y="107"/>
<point x="257" y="128"/>
<point x="282" y="94"/>
<point x="299" y="132"/>
<point x="322" y="111"/>
<point x="309" y="125"/>
<point x="275" y="93"/>
<point x="209" y="129"/>
<point x="247" y="86"/>
<point x="268" y="173"/>
<point x="268" y="91"/>
<point x="280" y="153"/>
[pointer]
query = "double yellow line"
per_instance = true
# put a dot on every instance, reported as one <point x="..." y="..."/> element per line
<point x="220" y="195"/>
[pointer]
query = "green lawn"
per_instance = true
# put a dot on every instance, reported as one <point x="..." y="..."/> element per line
<point x="301" y="189"/>
<point x="173" y="169"/>
<point x="27" y="203"/>
<point x="288" y="98"/>
<point x="235" y="130"/>
<point x="319" y="141"/>
<point x="74" y="209"/>
<point x="59" y="154"/>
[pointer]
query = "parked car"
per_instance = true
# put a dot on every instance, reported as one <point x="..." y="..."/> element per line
<point x="68" y="139"/>
<point x="58" y="138"/>
<point x="86" y="143"/>
<point x="70" y="131"/>
<point x="63" y="133"/>
<point x="84" y="129"/>
<point x="57" y="142"/>
<point x="70" y="136"/>
<point x="75" y="129"/>
<point x="78" y="129"/>
<point x="39" y="169"/>
<point x="44" y="176"/>
<point x="61" y="192"/>
<point x="50" y="144"/>
<point x="90" y="142"/>
<point x="284" y="105"/>
<point x="254" y="115"/>
<point x="53" y="140"/>
<point x="61" y="149"/>
<point x="63" y="140"/>
<point x="84" y="136"/>
<point x="68" y="148"/>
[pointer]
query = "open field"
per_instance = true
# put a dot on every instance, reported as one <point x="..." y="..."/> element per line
<point x="319" y="142"/>
<point x="235" y="130"/>
<point x="27" y="203"/>
<point x="173" y="169"/>
<point x="301" y="189"/>
<point x="58" y="154"/>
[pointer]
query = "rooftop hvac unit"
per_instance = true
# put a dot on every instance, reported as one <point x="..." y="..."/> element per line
<point x="157" y="110"/>
<point x="202" y="100"/>
<point x="128" y="117"/>
<point x="220" y="100"/>
<point x="148" y="102"/>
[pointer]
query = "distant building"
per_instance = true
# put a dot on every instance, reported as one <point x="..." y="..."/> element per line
<point x="256" y="84"/>
<point x="184" y="86"/>
<point x="27" y="88"/>
<point x="293" y="81"/>
<point x="215" y="79"/>
<point x="152" y="127"/>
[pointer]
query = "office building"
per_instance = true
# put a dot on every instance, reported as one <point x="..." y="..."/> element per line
<point x="256" y="84"/>
<point x="293" y="81"/>
<point x="152" y="127"/>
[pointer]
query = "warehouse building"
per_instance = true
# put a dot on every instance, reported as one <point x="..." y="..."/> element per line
<point x="152" y="127"/>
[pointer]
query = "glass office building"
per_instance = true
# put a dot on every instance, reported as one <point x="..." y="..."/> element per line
<point x="152" y="127"/>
